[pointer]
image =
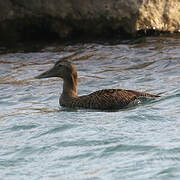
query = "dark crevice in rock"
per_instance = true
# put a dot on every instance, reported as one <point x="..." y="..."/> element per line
<point x="151" y="32"/>
<point x="27" y="29"/>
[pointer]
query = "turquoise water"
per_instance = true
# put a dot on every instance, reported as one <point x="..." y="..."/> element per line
<point x="40" y="140"/>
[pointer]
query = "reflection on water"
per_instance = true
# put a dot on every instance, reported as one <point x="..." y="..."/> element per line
<point x="40" y="139"/>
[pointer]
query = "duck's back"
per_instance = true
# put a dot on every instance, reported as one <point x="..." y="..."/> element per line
<point x="107" y="99"/>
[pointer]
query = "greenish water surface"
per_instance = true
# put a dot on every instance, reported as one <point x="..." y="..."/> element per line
<point x="41" y="140"/>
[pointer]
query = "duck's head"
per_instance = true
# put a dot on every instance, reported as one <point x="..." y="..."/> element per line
<point x="62" y="68"/>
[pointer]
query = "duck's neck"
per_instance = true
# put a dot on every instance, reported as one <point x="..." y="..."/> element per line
<point x="70" y="87"/>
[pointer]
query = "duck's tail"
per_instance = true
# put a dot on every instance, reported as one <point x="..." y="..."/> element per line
<point x="143" y="94"/>
<point x="149" y="95"/>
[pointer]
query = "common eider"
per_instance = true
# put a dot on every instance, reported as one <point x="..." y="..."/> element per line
<point x="106" y="99"/>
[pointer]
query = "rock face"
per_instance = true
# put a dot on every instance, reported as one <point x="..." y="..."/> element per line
<point x="26" y="19"/>
<point x="162" y="15"/>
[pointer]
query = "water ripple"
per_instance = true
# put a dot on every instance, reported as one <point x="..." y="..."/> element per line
<point x="57" y="129"/>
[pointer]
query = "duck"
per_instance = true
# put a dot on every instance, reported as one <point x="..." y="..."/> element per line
<point x="105" y="99"/>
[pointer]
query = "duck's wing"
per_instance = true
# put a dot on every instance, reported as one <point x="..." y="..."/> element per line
<point x="109" y="99"/>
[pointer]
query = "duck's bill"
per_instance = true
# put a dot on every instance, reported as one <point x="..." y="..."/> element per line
<point x="47" y="74"/>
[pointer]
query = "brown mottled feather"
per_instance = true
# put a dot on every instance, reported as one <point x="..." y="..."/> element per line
<point x="107" y="99"/>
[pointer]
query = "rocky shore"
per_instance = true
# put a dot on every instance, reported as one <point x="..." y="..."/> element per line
<point x="22" y="20"/>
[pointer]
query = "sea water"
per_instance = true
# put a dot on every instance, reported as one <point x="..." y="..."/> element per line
<point x="41" y="140"/>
